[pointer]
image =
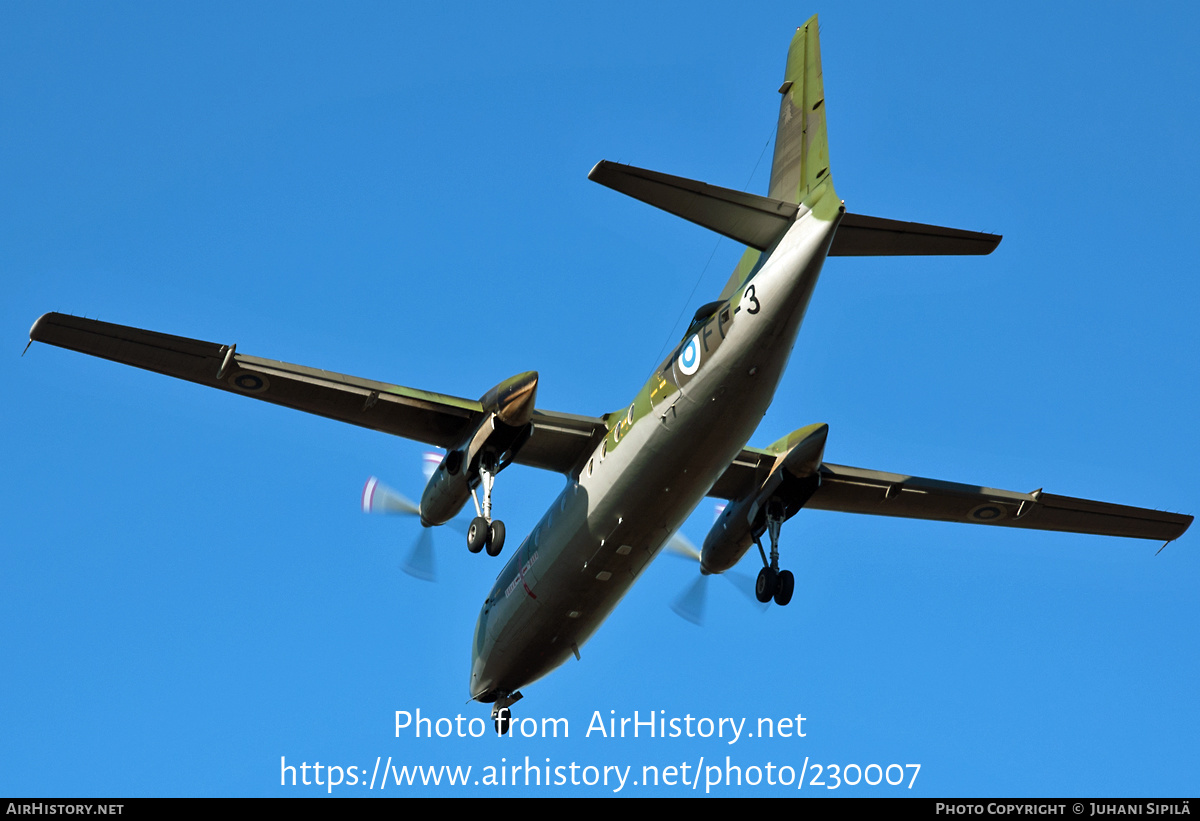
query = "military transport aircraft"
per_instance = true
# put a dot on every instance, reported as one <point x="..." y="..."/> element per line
<point x="635" y="474"/>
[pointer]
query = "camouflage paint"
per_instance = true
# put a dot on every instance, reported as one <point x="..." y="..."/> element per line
<point x="800" y="166"/>
<point x="663" y="452"/>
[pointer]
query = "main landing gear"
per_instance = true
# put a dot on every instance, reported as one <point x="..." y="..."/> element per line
<point x="483" y="531"/>
<point x="772" y="582"/>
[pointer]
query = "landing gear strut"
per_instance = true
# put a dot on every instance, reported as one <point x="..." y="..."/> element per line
<point x="773" y="583"/>
<point x="502" y="720"/>
<point x="483" y="531"/>
<point x="501" y="714"/>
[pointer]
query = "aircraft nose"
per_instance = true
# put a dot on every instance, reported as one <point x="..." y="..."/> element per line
<point x="477" y="686"/>
<point x="482" y="677"/>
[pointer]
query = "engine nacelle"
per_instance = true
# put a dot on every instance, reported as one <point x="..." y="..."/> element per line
<point x="503" y="429"/>
<point x="513" y="399"/>
<point x="446" y="492"/>
<point x="792" y="480"/>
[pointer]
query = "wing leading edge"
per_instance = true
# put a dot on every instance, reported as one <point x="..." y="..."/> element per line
<point x="857" y="490"/>
<point x="559" y="440"/>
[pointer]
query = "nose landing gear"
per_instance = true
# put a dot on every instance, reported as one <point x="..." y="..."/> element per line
<point x="502" y="718"/>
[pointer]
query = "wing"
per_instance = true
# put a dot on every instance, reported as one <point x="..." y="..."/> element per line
<point x="559" y="440"/>
<point x="856" y="490"/>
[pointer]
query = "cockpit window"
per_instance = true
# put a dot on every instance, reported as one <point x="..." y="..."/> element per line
<point x="701" y="316"/>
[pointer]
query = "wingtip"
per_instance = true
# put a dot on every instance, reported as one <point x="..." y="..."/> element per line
<point x="595" y="169"/>
<point x="1187" y="523"/>
<point x="35" y="330"/>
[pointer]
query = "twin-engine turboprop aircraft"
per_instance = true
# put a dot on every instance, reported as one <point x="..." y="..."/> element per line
<point x="635" y="474"/>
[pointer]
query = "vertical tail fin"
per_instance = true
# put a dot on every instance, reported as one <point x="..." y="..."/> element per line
<point x="800" y="168"/>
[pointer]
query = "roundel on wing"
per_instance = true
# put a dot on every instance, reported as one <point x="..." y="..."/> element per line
<point x="988" y="513"/>
<point x="689" y="357"/>
<point x="247" y="382"/>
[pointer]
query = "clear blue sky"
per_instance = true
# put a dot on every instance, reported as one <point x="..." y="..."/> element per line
<point x="189" y="590"/>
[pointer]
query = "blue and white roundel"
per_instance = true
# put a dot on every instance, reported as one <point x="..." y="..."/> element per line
<point x="689" y="357"/>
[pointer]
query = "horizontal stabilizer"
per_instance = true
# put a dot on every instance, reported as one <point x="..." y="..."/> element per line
<point x="747" y="218"/>
<point x="861" y="236"/>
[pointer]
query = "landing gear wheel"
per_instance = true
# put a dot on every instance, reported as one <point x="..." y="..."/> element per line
<point x="502" y="721"/>
<point x="477" y="534"/>
<point x="764" y="588"/>
<point x="496" y="541"/>
<point x="785" y="583"/>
